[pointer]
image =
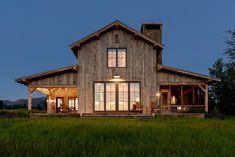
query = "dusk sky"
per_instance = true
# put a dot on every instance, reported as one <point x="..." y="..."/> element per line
<point x="35" y="34"/>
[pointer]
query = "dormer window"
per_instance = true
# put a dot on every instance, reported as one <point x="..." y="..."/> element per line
<point x="116" y="57"/>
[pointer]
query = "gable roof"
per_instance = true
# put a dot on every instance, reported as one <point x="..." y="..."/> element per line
<point x="188" y="73"/>
<point x="117" y="25"/>
<point x="26" y="79"/>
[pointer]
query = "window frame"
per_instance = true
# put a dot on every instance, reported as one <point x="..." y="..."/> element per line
<point x="117" y="95"/>
<point x="116" y="49"/>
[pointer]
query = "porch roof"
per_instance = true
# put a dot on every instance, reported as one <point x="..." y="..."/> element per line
<point x="208" y="79"/>
<point x="26" y="79"/>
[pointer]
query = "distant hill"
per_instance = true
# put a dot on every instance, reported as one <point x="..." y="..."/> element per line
<point x="23" y="102"/>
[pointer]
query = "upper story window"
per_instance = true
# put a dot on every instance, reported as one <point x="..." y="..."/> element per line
<point x="116" y="57"/>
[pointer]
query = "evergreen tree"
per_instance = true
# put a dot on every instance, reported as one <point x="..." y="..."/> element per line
<point x="1" y="104"/>
<point x="222" y="94"/>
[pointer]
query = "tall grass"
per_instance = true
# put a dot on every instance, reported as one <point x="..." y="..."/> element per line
<point x="102" y="137"/>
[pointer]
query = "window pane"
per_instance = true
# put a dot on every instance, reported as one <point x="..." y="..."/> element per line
<point x="59" y="102"/>
<point x="76" y="104"/>
<point x="121" y="57"/>
<point x="110" y="97"/>
<point x="111" y="57"/>
<point x="123" y="97"/>
<point x="72" y="104"/>
<point x="99" y="97"/>
<point x="135" y="96"/>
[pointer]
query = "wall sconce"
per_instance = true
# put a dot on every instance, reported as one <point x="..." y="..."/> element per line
<point x="157" y="94"/>
<point x="116" y="76"/>
<point x="51" y="101"/>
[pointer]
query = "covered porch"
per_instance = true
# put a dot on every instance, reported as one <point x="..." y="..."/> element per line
<point x="60" y="87"/>
<point x="181" y="91"/>
<point x="183" y="98"/>
<point x="59" y="99"/>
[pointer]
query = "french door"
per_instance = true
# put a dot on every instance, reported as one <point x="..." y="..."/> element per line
<point x="116" y="96"/>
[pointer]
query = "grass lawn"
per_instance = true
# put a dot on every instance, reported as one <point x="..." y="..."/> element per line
<point x="100" y="137"/>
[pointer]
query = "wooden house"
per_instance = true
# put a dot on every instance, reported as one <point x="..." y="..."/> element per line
<point x="120" y="71"/>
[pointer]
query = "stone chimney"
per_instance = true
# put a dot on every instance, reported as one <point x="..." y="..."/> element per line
<point x="153" y="31"/>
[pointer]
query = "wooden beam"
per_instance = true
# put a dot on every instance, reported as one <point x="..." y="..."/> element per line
<point x="180" y="83"/>
<point x="117" y="26"/>
<point x="193" y="95"/>
<point x="135" y="36"/>
<point x="30" y="91"/>
<point x="97" y="36"/>
<point x="181" y="95"/>
<point x="204" y="90"/>
<point x="206" y="98"/>
<point x="54" y="86"/>
<point x="188" y="90"/>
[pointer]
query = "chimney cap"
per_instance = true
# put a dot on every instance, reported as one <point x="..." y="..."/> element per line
<point x="151" y="25"/>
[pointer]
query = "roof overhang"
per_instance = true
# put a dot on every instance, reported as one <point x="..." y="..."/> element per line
<point x="114" y="25"/>
<point x="207" y="79"/>
<point x="27" y="79"/>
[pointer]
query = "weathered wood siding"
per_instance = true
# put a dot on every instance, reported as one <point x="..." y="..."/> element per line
<point x="168" y="77"/>
<point x="65" y="78"/>
<point x="141" y="63"/>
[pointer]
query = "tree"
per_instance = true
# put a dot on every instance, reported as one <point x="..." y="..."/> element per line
<point x="1" y="104"/>
<point x="230" y="51"/>
<point x="222" y="94"/>
<point x="215" y="90"/>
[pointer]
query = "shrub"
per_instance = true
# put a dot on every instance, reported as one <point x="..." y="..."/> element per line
<point x="22" y="114"/>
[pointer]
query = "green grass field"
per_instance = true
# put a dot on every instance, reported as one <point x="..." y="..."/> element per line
<point x="100" y="137"/>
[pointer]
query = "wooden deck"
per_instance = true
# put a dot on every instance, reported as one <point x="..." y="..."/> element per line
<point x="175" y="114"/>
<point x="141" y="116"/>
<point x="36" y="115"/>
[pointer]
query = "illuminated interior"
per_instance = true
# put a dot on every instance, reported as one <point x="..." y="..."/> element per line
<point x="117" y="96"/>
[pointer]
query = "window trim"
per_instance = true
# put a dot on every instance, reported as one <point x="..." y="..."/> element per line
<point x="116" y="66"/>
<point x="117" y="93"/>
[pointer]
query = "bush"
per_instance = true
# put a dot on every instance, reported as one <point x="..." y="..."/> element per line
<point x="3" y="112"/>
<point x="37" y="111"/>
<point x="22" y="114"/>
<point x="196" y="110"/>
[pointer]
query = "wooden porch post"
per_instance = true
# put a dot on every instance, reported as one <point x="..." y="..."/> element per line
<point x="181" y="96"/>
<point x="206" y="98"/>
<point x="193" y="95"/>
<point x="30" y="91"/>
<point x="158" y="97"/>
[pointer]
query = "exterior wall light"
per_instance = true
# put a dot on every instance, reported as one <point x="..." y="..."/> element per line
<point x="158" y="94"/>
<point x="116" y="77"/>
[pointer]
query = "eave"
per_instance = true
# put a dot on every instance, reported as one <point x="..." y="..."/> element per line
<point x="207" y="79"/>
<point x="26" y="79"/>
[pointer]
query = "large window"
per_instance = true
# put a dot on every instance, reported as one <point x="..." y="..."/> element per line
<point x="121" y="96"/>
<point x="99" y="97"/>
<point x="116" y="57"/>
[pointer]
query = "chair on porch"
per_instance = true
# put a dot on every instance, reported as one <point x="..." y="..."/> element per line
<point x="155" y="108"/>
